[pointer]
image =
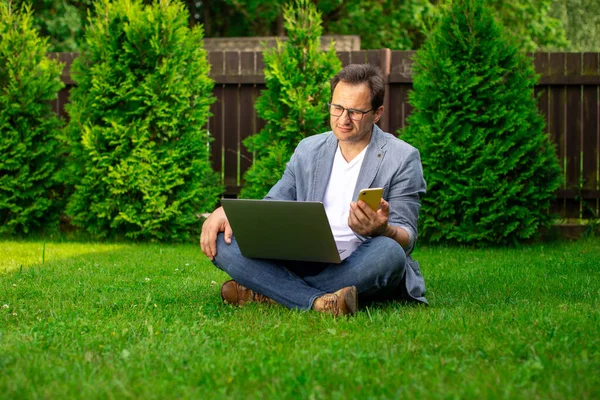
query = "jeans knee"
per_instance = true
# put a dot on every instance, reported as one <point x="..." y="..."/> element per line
<point x="394" y="251"/>
<point x="391" y="258"/>
<point x="228" y="254"/>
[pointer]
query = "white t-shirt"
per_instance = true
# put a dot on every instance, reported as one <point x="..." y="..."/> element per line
<point x="338" y="196"/>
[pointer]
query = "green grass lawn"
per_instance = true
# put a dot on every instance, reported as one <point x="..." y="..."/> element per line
<point x="146" y="321"/>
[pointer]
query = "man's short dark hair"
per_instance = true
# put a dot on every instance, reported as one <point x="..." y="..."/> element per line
<point x="356" y="74"/>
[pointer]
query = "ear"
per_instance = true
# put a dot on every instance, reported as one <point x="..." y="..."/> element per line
<point x="378" y="114"/>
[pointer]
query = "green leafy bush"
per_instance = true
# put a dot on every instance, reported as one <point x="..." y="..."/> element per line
<point x="401" y="24"/>
<point x="28" y="126"/>
<point x="139" y="148"/>
<point x="294" y="105"/>
<point x="61" y="21"/>
<point x="490" y="167"/>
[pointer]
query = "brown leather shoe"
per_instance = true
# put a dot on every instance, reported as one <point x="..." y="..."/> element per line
<point x="234" y="293"/>
<point x="342" y="302"/>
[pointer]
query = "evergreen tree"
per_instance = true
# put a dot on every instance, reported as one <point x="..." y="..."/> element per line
<point x="137" y="138"/>
<point x="297" y="75"/>
<point x="28" y="126"/>
<point x="581" y="21"/>
<point x="490" y="167"/>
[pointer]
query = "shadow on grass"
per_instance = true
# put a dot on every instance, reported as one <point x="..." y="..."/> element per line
<point x="109" y="278"/>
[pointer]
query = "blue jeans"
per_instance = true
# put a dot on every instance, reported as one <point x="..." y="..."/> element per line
<point x="376" y="268"/>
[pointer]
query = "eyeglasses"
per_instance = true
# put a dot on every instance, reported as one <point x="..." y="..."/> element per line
<point x="356" y="115"/>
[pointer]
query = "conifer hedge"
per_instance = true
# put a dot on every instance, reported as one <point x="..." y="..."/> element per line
<point x="28" y="127"/>
<point x="488" y="162"/>
<point x="137" y="138"/>
<point x="294" y="104"/>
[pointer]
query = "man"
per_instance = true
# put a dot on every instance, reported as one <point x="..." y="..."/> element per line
<point x="333" y="167"/>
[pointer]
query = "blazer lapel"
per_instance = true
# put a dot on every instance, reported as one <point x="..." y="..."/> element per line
<point x="372" y="161"/>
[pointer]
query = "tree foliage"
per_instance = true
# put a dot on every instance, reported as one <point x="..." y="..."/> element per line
<point x="581" y="20"/>
<point x="297" y="75"/>
<point x="28" y="127"/>
<point x="530" y="24"/>
<point x="137" y="136"/>
<point x="490" y="167"/>
<point x="61" y="21"/>
<point x="394" y="24"/>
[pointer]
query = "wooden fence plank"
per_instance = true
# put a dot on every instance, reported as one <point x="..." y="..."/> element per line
<point x="373" y="57"/>
<point x="231" y="120"/>
<point x="344" y="57"/>
<point x="216" y="61"/>
<point x="407" y="107"/>
<point x="541" y="62"/>
<point x="260" y="63"/>
<point x="259" y="123"/>
<point x="569" y="80"/>
<point x="247" y="63"/>
<point x="67" y="60"/>
<point x="573" y="133"/>
<point x="556" y="120"/>
<point x="395" y="109"/>
<point x="247" y="128"/>
<point x="61" y="100"/>
<point x="591" y="135"/>
<point x="384" y="65"/>
<point x="358" y="57"/>
<point x="230" y="139"/>
<point x="400" y="85"/>
<point x="215" y="127"/>
<point x="232" y="63"/>
<point x="401" y="66"/>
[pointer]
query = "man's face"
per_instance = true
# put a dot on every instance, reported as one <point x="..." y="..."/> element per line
<point x="356" y="97"/>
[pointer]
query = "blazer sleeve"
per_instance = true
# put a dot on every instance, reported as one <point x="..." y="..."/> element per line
<point x="406" y="187"/>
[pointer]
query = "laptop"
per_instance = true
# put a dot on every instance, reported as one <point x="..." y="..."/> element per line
<point x="282" y="230"/>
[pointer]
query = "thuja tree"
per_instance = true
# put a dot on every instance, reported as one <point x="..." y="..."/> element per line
<point x="28" y="127"/>
<point x="297" y="75"/>
<point x="137" y="138"/>
<point x="490" y="168"/>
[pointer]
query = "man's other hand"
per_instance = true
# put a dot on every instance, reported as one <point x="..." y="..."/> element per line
<point x="217" y="222"/>
<point x="364" y="221"/>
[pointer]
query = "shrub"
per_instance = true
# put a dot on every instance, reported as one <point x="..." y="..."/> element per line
<point x="28" y="126"/>
<point x="490" y="167"/>
<point x="139" y="148"/>
<point x="294" y="104"/>
<point x="61" y="21"/>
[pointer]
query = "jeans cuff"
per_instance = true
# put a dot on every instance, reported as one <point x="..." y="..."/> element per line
<point x="313" y="298"/>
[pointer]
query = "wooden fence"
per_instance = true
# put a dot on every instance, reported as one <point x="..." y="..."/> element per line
<point x="568" y="90"/>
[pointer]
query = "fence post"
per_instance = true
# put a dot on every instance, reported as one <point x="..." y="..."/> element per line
<point x="385" y="58"/>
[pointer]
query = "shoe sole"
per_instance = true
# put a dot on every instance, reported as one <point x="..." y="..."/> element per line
<point x="351" y="300"/>
<point x="221" y="291"/>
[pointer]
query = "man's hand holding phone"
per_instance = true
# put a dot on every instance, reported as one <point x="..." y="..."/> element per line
<point x="369" y="214"/>
<point x="371" y="196"/>
<point x="371" y="219"/>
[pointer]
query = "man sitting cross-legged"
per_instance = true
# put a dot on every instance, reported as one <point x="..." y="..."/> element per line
<point x="332" y="167"/>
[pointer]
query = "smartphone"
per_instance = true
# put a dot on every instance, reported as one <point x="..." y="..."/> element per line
<point x="371" y="196"/>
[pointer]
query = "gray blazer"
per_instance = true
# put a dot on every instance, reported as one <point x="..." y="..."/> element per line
<point x="389" y="163"/>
